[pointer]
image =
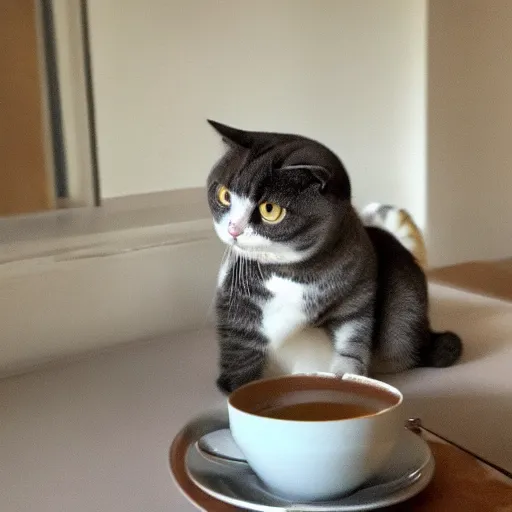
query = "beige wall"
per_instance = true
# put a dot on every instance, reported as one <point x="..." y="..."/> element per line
<point x="350" y="73"/>
<point x="470" y="130"/>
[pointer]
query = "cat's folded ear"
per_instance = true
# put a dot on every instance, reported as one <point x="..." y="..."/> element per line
<point x="233" y="136"/>
<point x="308" y="173"/>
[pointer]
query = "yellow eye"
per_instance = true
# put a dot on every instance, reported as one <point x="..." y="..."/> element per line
<point x="224" y="196"/>
<point x="272" y="213"/>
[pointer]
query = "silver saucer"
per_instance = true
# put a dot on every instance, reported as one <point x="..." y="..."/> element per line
<point x="409" y="471"/>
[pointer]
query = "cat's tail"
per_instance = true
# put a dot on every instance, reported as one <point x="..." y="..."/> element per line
<point x="444" y="349"/>
<point x="400" y="224"/>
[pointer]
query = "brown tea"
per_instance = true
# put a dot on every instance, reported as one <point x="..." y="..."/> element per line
<point x="319" y="411"/>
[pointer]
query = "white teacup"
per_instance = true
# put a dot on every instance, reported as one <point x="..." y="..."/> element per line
<point x="315" y="459"/>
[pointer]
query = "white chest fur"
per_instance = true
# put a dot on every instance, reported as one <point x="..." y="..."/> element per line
<point x="285" y="312"/>
<point x="294" y="346"/>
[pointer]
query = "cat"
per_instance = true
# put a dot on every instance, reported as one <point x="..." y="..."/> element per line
<point x="299" y="257"/>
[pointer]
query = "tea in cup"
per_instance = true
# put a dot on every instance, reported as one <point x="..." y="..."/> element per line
<point x="315" y="437"/>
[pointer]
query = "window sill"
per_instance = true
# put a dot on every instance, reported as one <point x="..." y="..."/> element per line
<point x="119" y="224"/>
<point x="77" y="280"/>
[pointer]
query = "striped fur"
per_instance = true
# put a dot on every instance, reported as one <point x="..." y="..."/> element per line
<point x="401" y="225"/>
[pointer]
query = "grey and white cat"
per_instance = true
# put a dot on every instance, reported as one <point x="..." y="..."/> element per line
<point x="300" y="257"/>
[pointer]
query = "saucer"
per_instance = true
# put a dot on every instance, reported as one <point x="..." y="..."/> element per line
<point x="220" y="485"/>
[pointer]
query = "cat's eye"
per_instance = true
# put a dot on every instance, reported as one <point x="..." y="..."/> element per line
<point x="272" y="213"/>
<point x="224" y="196"/>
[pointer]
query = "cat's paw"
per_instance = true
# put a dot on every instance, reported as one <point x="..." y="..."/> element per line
<point x="346" y="365"/>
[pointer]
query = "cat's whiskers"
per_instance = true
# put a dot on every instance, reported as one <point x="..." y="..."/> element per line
<point x="250" y="275"/>
<point x="259" y="270"/>
<point x="233" y="283"/>
<point x="242" y="275"/>
<point x="230" y="275"/>
<point x="248" y="267"/>
<point x="232" y="257"/>
<point x="238" y="277"/>
<point x="225" y="256"/>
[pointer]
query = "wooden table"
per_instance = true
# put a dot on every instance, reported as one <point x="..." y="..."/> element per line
<point x="461" y="483"/>
<point x="491" y="278"/>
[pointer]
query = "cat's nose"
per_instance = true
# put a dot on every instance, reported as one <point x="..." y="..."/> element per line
<point x="234" y="230"/>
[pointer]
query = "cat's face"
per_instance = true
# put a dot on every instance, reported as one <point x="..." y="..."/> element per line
<point x="276" y="198"/>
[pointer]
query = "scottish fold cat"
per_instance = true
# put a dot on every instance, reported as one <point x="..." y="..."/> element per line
<point x="305" y="284"/>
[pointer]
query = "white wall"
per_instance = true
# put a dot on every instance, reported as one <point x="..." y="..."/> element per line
<point x="470" y="119"/>
<point x="348" y="72"/>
